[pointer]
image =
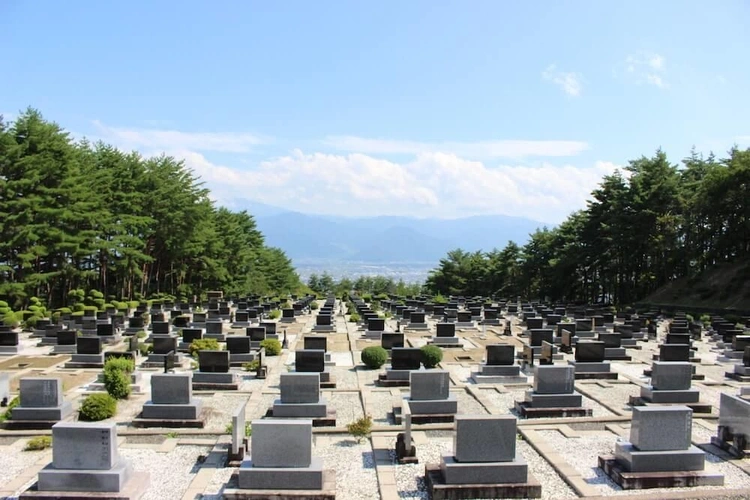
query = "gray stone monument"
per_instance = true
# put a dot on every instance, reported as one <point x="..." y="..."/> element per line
<point x="41" y="400"/>
<point x="172" y="403"/>
<point x="659" y="452"/>
<point x="300" y="397"/>
<point x="85" y="459"/>
<point x="281" y="457"/>
<point x="500" y="367"/>
<point x="670" y="383"/>
<point x="484" y="462"/>
<point x="553" y="394"/>
<point x="430" y="398"/>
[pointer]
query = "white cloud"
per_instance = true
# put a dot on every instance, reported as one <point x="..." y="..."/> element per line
<point x="570" y="82"/>
<point x="145" y="138"/>
<point x="482" y="149"/>
<point x="647" y="67"/>
<point x="433" y="184"/>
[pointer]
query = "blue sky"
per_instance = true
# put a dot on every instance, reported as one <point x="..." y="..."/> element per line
<point x="406" y="108"/>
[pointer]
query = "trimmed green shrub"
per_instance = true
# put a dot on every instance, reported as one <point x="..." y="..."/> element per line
<point x="4" y="304"/>
<point x="9" y="409"/>
<point x="252" y="366"/>
<point x="38" y="443"/>
<point x="374" y="357"/>
<point x="145" y="349"/>
<point x="97" y="407"/>
<point x="122" y="364"/>
<point x="117" y="383"/>
<point x="275" y="314"/>
<point x="272" y="346"/>
<point x="203" y="345"/>
<point x="431" y="356"/>
<point x="353" y="317"/>
<point x="313" y="305"/>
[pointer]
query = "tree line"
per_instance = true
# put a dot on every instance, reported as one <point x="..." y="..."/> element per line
<point x="653" y="222"/>
<point x="373" y="285"/>
<point x="82" y="215"/>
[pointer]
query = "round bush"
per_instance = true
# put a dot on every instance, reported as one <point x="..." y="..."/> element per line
<point x="353" y="317"/>
<point x="374" y="357"/>
<point x="203" y="345"/>
<point x="431" y="356"/>
<point x="97" y="407"/>
<point x="275" y="314"/>
<point x="313" y="305"/>
<point x="272" y="347"/>
<point x="121" y="364"/>
<point x="117" y="383"/>
<point x="3" y="304"/>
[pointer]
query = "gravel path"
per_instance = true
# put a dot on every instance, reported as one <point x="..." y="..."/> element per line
<point x="171" y="472"/>
<point x="353" y="462"/>
<point x="381" y="403"/>
<point x="467" y="405"/>
<point x="410" y="478"/>
<point x="219" y="408"/>
<point x="347" y="405"/>
<point x="13" y="460"/>
<point x="615" y="395"/>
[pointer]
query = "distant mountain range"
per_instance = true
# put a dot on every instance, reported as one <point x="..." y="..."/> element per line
<point x="308" y="238"/>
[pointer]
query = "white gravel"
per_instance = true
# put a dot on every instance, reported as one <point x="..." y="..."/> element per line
<point x="347" y="405"/>
<point x="459" y="373"/>
<point x="553" y="486"/>
<point x="467" y="405"/>
<point x="171" y="473"/>
<point x="342" y="359"/>
<point x="410" y="478"/>
<point x="381" y="403"/>
<point x="615" y="395"/>
<point x="219" y="409"/>
<point x="346" y="378"/>
<point x="356" y="477"/>
<point x="583" y="453"/>
<point x="13" y="460"/>
<point x="634" y="370"/>
<point x="504" y="402"/>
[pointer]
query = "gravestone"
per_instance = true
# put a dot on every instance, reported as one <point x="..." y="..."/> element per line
<point x="445" y="335"/>
<point x="41" y="399"/>
<point x="670" y="383"/>
<point x="300" y="397"/>
<point x="8" y="343"/>
<point x="430" y="393"/>
<point x="389" y="340"/>
<point x="553" y="394"/>
<point x="171" y="400"/>
<point x="500" y="367"/>
<point x="660" y="442"/>
<point x="88" y="353"/>
<point x="281" y="456"/>
<point x="484" y="462"/>
<point x="85" y="459"/>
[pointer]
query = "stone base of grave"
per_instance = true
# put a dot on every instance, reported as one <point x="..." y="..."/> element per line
<point x="237" y="360"/>
<point x="633" y="460"/>
<point x="439" y="490"/>
<point x="734" y="446"/>
<point x="655" y="357"/>
<point x="630" y="344"/>
<point x="86" y="361"/>
<point x="218" y="337"/>
<point x="373" y="334"/>
<point x="157" y="361"/>
<point x="38" y="418"/>
<point x="465" y="324"/>
<point x="644" y="480"/>
<point x="593" y="370"/>
<point x="384" y="381"/>
<point x="685" y="396"/>
<point x="696" y="407"/>
<point x="203" y="381"/>
<point x="113" y="480"/>
<point x="446" y="342"/>
<point x="327" y="492"/>
<point x="172" y="415"/>
<point x="527" y="411"/>
<point x="404" y="456"/>
<point x="327" y="420"/>
<point x="478" y="378"/>
<point x="133" y="489"/>
<point x="9" y="350"/>
<point x="109" y="339"/>
<point x="242" y="324"/>
<point x="64" y="349"/>
<point x="737" y="377"/>
<point x="293" y="478"/>
<point x="430" y="411"/>
<point x="416" y="326"/>
<point x="696" y="376"/>
<point x="324" y="329"/>
<point x="491" y="322"/>
<point x="616" y="354"/>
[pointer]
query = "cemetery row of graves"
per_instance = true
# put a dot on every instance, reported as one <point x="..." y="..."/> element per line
<point x="398" y="397"/>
